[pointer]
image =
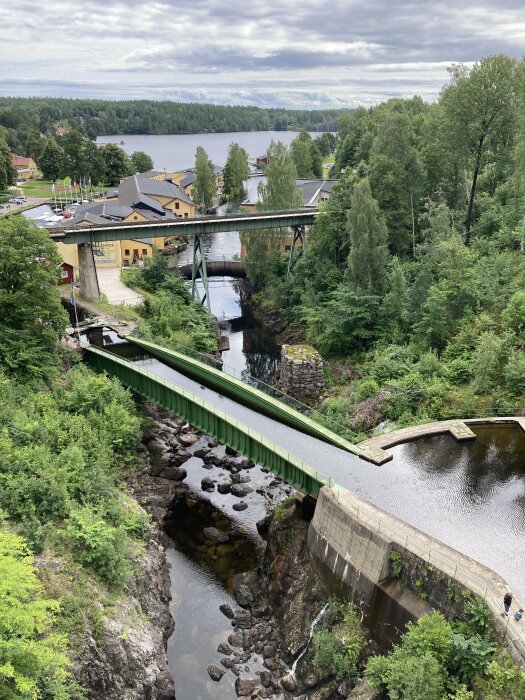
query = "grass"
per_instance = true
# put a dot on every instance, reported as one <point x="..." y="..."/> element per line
<point x="329" y="159"/>
<point x="42" y="188"/>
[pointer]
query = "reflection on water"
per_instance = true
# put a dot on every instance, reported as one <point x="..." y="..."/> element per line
<point x="201" y="574"/>
<point x="469" y="495"/>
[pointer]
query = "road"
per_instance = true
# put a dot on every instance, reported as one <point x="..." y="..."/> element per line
<point x="30" y="202"/>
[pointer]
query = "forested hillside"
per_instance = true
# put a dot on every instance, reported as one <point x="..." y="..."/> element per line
<point x="99" y="117"/>
<point x="414" y="280"/>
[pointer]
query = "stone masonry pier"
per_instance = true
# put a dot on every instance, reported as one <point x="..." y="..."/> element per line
<point x="354" y="539"/>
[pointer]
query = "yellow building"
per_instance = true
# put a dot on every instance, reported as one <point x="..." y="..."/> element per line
<point x="25" y="167"/>
<point x="160" y="196"/>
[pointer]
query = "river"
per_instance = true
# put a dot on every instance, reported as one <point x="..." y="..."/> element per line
<point x="177" y="151"/>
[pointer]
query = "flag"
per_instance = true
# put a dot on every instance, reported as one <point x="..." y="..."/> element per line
<point x="73" y="302"/>
<point x="89" y="182"/>
<point x="84" y="183"/>
<point x="53" y="188"/>
<point x="58" y="187"/>
<point x="75" y="184"/>
<point x="69" y="187"/>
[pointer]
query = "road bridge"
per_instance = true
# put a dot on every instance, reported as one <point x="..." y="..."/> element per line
<point x="197" y="227"/>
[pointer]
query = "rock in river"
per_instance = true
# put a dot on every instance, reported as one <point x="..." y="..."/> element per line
<point x="215" y="673"/>
<point x="241" y="490"/>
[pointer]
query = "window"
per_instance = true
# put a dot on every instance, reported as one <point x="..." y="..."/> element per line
<point x="126" y="252"/>
<point x="186" y="215"/>
<point x="177" y="205"/>
<point x="144" y="251"/>
<point x="64" y="274"/>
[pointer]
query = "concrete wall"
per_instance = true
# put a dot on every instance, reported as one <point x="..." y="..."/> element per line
<point x="354" y="539"/>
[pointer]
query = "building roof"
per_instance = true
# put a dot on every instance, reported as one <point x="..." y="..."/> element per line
<point x="139" y="188"/>
<point x="21" y="161"/>
<point x="110" y="210"/>
<point x="152" y="173"/>
<point x="189" y="179"/>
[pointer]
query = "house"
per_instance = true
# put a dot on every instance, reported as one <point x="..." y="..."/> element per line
<point x="313" y="192"/>
<point x="25" y="167"/>
<point x="60" y="130"/>
<point x="161" y="196"/>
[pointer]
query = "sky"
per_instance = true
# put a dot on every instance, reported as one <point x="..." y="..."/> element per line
<point x="302" y="54"/>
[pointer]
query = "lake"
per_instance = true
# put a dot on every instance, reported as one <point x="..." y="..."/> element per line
<point x="177" y="151"/>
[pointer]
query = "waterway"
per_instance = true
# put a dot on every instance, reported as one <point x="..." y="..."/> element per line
<point x="177" y="151"/>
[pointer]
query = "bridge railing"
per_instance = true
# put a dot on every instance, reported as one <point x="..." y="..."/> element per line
<point x="252" y="381"/>
<point x="303" y="476"/>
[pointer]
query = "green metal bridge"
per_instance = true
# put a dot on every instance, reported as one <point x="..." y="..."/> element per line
<point x="205" y="416"/>
<point x="196" y="226"/>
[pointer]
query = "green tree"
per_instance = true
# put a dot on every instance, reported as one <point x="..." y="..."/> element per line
<point x="368" y="235"/>
<point x="94" y="163"/>
<point x="31" y="315"/>
<point x="279" y="191"/>
<point x="116" y="162"/>
<point x="7" y="172"/>
<point x="236" y="172"/>
<point x="50" y="160"/>
<point x="33" y="665"/>
<point x="204" y="187"/>
<point x="73" y="164"/>
<point x="480" y="116"/>
<point x="142" y="162"/>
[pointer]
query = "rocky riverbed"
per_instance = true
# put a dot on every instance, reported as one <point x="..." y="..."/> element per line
<point x="219" y="509"/>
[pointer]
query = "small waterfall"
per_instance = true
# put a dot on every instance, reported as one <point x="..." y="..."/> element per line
<point x="314" y="624"/>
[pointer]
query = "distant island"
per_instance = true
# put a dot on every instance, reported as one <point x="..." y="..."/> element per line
<point x="103" y="117"/>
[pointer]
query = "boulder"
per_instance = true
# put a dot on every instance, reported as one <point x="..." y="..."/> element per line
<point x="288" y="683"/>
<point x="227" y="610"/>
<point x="207" y="484"/>
<point x="224" y="485"/>
<point x="224" y="649"/>
<point x="230" y="451"/>
<point x="241" y="490"/>
<point x="240" y="506"/>
<point x="215" y="673"/>
<point x="245" y="686"/>
<point x="173" y="473"/>
<point x="188" y="439"/>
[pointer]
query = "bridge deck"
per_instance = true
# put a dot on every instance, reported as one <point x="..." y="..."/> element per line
<point x="192" y="226"/>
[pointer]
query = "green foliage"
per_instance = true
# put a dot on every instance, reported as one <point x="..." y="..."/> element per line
<point x="236" y="172"/>
<point x="337" y="650"/>
<point x="7" y="172"/>
<point x="117" y="163"/>
<point x="279" y="191"/>
<point x="31" y="315"/>
<point x="204" y="188"/>
<point x="33" y="665"/>
<point x="99" y="546"/>
<point x="368" y="235"/>
<point x="396" y="563"/>
<point x="50" y="160"/>
<point x="504" y="680"/>
<point x="142" y="162"/>
<point x="61" y="453"/>
<point x="169" y="312"/>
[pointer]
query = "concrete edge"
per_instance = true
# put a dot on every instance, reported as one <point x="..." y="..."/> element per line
<point x="374" y="448"/>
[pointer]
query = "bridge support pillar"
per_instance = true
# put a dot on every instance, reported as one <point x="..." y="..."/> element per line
<point x="298" y="246"/>
<point x="199" y="269"/>
<point x="89" y="288"/>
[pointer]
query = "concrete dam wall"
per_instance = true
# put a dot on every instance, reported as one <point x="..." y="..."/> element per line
<point x="367" y="549"/>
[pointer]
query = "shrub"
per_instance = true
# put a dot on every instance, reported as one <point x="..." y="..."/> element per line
<point x="98" y="545"/>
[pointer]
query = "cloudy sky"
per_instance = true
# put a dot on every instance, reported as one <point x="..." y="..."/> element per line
<point x="291" y="53"/>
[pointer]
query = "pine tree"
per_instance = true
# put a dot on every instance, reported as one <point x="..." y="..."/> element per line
<point x="236" y="172"/>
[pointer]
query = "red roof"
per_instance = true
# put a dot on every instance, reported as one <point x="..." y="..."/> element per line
<point x="20" y="161"/>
